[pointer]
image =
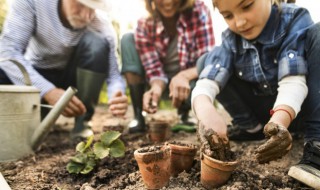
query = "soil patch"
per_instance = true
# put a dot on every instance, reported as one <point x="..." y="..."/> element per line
<point x="46" y="169"/>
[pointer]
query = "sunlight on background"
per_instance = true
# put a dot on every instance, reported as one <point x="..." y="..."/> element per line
<point x="128" y="11"/>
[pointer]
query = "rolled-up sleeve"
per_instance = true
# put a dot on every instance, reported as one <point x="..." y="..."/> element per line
<point x="218" y="65"/>
<point x="292" y="52"/>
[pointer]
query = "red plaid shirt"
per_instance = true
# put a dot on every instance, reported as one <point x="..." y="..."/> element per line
<point x="195" y="37"/>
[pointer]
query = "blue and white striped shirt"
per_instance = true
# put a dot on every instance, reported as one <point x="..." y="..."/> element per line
<point x="34" y="35"/>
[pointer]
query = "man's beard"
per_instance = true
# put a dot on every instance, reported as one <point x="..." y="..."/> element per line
<point x="78" y="23"/>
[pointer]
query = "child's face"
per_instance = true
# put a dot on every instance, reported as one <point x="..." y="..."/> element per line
<point x="245" y="17"/>
<point x="167" y="8"/>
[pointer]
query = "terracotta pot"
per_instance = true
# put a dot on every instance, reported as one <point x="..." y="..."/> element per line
<point x="159" y="131"/>
<point x="182" y="156"/>
<point x="215" y="173"/>
<point x="154" y="166"/>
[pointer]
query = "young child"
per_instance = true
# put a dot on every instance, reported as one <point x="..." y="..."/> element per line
<point x="268" y="60"/>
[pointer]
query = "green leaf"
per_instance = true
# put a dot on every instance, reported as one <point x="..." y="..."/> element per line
<point x="89" y="166"/>
<point x="109" y="136"/>
<point x="73" y="167"/>
<point x="89" y="141"/>
<point x="100" y="150"/>
<point x="79" y="158"/>
<point x="117" y="148"/>
<point x="82" y="147"/>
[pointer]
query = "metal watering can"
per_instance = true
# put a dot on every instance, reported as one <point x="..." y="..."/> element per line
<point x="20" y="129"/>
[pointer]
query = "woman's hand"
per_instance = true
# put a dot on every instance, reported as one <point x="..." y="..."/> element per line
<point x="75" y="107"/>
<point x="152" y="96"/>
<point x="118" y="104"/>
<point x="179" y="89"/>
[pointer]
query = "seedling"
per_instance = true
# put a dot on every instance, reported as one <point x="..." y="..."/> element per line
<point x="88" y="154"/>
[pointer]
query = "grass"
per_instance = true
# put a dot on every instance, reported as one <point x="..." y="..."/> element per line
<point x="103" y="99"/>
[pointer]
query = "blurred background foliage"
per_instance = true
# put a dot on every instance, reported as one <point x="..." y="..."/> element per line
<point x="3" y="12"/>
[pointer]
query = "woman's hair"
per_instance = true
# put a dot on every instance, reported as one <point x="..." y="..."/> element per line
<point x="185" y="5"/>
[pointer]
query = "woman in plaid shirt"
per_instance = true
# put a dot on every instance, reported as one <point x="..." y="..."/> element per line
<point x="163" y="52"/>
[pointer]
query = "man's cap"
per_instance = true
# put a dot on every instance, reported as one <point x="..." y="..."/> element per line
<point x="95" y="4"/>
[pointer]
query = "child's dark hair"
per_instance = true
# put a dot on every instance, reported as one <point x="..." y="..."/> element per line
<point x="274" y="2"/>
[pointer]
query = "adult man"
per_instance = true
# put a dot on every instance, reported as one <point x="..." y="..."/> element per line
<point x="63" y="43"/>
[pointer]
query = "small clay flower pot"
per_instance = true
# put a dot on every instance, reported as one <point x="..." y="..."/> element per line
<point x="154" y="165"/>
<point x="182" y="156"/>
<point x="215" y="173"/>
<point x="159" y="131"/>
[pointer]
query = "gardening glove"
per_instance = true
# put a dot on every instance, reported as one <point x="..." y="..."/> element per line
<point x="212" y="144"/>
<point x="278" y="145"/>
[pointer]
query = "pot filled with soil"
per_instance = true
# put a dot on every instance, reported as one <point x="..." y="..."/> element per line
<point x="182" y="156"/>
<point x="217" y="159"/>
<point x="158" y="130"/>
<point x="215" y="173"/>
<point x="154" y="165"/>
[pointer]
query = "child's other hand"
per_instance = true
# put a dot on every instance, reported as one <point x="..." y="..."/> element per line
<point x="278" y="145"/>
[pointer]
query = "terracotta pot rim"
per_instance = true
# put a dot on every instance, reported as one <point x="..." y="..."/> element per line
<point x="182" y="150"/>
<point x="162" y="149"/>
<point x="182" y="146"/>
<point x="230" y="163"/>
<point x="158" y="123"/>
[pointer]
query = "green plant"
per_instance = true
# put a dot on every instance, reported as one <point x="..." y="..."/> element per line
<point x="89" y="154"/>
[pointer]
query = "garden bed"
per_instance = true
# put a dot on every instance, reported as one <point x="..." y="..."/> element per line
<point x="46" y="169"/>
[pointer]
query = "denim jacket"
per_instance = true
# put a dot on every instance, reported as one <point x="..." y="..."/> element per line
<point x="277" y="52"/>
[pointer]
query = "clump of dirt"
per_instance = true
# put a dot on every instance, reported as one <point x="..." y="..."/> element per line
<point x="213" y="145"/>
<point x="222" y="151"/>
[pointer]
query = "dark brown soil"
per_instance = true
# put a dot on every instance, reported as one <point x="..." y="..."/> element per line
<point x="179" y="143"/>
<point x="46" y="169"/>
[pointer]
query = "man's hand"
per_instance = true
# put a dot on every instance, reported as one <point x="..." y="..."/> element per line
<point x="278" y="145"/>
<point x="179" y="89"/>
<point x="212" y="144"/>
<point x="118" y="104"/>
<point x="74" y="108"/>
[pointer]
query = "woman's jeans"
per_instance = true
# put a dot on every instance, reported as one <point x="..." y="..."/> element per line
<point x="249" y="109"/>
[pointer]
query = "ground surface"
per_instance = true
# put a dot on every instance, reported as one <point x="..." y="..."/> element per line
<point x="45" y="170"/>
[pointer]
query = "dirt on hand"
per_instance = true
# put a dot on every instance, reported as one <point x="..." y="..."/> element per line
<point x="213" y="145"/>
<point x="278" y="145"/>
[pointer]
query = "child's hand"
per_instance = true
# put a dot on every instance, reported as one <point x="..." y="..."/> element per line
<point x="278" y="145"/>
<point x="211" y="143"/>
